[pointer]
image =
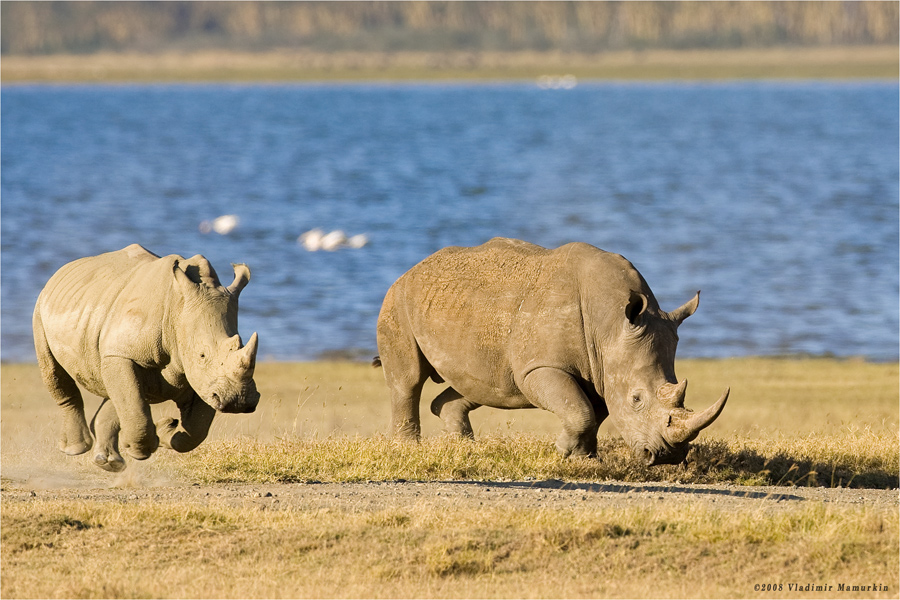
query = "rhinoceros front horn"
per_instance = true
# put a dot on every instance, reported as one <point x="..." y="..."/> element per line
<point x="690" y="427"/>
<point x="248" y="354"/>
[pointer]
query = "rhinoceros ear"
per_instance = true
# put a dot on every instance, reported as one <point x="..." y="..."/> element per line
<point x="685" y="310"/>
<point x="203" y="271"/>
<point x="241" y="279"/>
<point x="635" y="308"/>
<point x="182" y="280"/>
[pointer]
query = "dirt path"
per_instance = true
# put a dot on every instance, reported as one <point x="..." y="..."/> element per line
<point x="376" y="496"/>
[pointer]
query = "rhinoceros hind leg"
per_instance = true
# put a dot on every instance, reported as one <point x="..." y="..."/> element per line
<point x="556" y="391"/>
<point x="453" y="409"/>
<point x="75" y="437"/>
<point x="105" y="426"/>
<point x="405" y="371"/>
<point x="405" y="423"/>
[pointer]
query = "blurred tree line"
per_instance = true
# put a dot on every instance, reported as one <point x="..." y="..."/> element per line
<point x="82" y="27"/>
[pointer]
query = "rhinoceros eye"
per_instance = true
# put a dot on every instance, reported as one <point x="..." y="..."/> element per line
<point x="636" y="402"/>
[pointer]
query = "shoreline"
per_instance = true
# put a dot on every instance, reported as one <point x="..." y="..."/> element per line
<point x="352" y="362"/>
<point x="282" y="66"/>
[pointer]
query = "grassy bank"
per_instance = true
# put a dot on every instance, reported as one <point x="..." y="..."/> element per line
<point x="63" y="550"/>
<point x="852" y="62"/>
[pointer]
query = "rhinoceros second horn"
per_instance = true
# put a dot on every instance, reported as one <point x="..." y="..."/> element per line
<point x="688" y="429"/>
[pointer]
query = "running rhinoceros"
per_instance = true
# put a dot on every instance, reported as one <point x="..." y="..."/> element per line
<point x="137" y="329"/>
<point x="508" y="324"/>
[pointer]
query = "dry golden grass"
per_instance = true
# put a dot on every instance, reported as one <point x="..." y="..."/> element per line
<point x="92" y="549"/>
<point x="785" y="420"/>
<point x="849" y="62"/>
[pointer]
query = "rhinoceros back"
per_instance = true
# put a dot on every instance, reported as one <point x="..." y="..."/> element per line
<point x="480" y="285"/>
<point x="75" y="306"/>
<point x="471" y="310"/>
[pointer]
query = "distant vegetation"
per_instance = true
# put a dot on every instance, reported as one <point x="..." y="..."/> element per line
<point x="86" y="27"/>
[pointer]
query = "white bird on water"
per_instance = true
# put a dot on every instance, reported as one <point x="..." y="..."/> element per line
<point x="312" y="239"/>
<point x="357" y="241"/>
<point x="317" y="239"/>
<point x="222" y="225"/>
<point x="333" y="240"/>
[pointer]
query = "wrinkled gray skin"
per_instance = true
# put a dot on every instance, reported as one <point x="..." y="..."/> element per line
<point x="508" y="324"/>
<point x="137" y="329"/>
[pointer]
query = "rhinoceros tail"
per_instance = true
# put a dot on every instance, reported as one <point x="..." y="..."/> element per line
<point x="376" y="362"/>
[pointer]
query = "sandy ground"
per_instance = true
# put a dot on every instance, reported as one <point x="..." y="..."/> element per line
<point x="383" y="495"/>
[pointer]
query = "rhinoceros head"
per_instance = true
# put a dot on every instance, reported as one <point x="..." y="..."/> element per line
<point x="644" y="398"/>
<point x="217" y="365"/>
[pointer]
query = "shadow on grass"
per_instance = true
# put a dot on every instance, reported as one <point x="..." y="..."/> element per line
<point x="626" y="488"/>
<point x="715" y="462"/>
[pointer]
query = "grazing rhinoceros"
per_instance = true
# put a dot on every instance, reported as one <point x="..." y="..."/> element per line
<point x="137" y="329"/>
<point x="508" y="324"/>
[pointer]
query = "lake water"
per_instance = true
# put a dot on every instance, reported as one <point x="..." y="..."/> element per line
<point x="778" y="200"/>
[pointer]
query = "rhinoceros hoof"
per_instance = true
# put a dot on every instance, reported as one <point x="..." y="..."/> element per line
<point x="407" y="433"/>
<point x="582" y="455"/>
<point x="464" y="434"/>
<point x="75" y="449"/>
<point x="111" y="464"/>
<point x="138" y="454"/>
<point x="575" y="453"/>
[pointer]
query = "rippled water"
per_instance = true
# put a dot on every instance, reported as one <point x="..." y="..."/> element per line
<point x="778" y="200"/>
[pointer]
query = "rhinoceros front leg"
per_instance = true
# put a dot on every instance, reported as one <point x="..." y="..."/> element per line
<point x="137" y="433"/>
<point x="556" y="391"/>
<point x="105" y="426"/>
<point x="196" y="417"/>
<point x="75" y="437"/>
<point x="453" y="409"/>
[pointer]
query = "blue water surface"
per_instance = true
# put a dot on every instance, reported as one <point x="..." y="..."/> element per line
<point x="778" y="200"/>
